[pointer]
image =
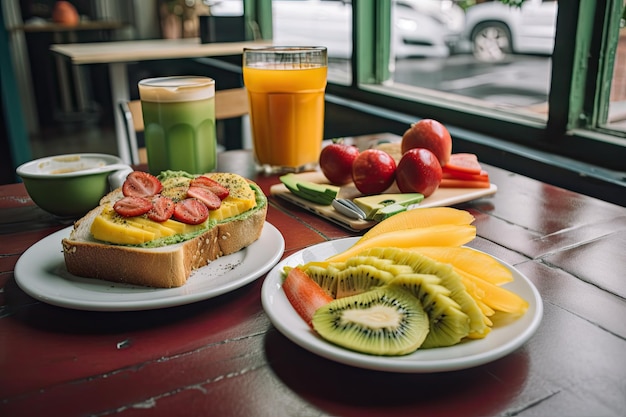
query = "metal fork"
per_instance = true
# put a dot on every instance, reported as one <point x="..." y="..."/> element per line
<point x="348" y="208"/>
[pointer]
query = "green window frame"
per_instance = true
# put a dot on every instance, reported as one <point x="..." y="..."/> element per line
<point x="578" y="102"/>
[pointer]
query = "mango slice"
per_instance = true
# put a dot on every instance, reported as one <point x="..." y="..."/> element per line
<point x="495" y="297"/>
<point x="106" y="230"/>
<point x="420" y="217"/>
<point x="111" y="227"/>
<point x="241" y="197"/>
<point x="231" y="207"/>
<point x="469" y="260"/>
<point x="439" y="235"/>
<point x="482" y="276"/>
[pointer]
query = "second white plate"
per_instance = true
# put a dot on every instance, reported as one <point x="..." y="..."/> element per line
<point x="500" y="342"/>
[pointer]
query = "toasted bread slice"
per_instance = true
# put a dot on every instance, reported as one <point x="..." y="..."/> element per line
<point x="166" y="266"/>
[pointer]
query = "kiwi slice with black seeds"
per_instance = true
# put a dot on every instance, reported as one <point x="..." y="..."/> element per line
<point x="449" y="279"/>
<point x="383" y="321"/>
<point x="326" y="277"/>
<point x="448" y="323"/>
<point x="340" y="280"/>
<point x="358" y="279"/>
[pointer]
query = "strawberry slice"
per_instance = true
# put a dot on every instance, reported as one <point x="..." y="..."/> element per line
<point x="304" y="294"/>
<point x="217" y="188"/>
<point x="162" y="208"/>
<point x="464" y="171"/>
<point x="483" y="176"/>
<point x="132" y="206"/>
<point x="191" y="211"/>
<point x="463" y="162"/>
<point x="141" y="184"/>
<point x="208" y="197"/>
<point x="457" y="183"/>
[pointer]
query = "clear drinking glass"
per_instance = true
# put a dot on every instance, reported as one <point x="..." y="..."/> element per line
<point x="179" y="122"/>
<point x="286" y="91"/>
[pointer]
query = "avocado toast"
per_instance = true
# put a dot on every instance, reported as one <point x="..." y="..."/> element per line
<point x="135" y="249"/>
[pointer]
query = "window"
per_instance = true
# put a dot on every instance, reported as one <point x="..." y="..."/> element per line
<point x="616" y="117"/>
<point x="579" y="120"/>
<point x="548" y="76"/>
<point x="317" y="22"/>
<point x="488" y="54"/>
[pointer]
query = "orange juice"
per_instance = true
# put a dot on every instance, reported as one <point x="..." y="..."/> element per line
<point x="286" y="113"/>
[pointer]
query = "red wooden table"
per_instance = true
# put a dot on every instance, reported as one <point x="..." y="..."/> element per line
<point x="223" y="357"/>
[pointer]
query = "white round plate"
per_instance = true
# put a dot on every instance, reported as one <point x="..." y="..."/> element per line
<point x="500" y="342"/>
<point x="42" y="274"/>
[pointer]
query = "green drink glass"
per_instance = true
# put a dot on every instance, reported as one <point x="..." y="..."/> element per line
<point x="179" y="122"/>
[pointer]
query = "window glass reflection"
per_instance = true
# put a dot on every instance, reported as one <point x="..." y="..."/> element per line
<point x="498" y="56"/>
<point x="317" y="23"/>
<point x="617" y="106"/>
<point x="482" y="53"/>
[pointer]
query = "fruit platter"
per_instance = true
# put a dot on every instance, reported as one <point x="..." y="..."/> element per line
<point x="358" y="185"/>
<point x="407" y="296"/>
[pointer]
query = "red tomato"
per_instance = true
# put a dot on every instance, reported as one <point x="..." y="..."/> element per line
<point x="202" y="181"/>
<point x="208" y="197"/>
<point x="418" y="171"/>
<point x="132" y="206"/>
<point x="429" y="134"/>
<point x="141" y="184"/>
<point x="373" y="171"/>
<point x="162" y="208"/>
<point x="336" y="162"/>
<point x="191" y="211"/>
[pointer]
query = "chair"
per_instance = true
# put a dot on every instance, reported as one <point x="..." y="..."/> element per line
<point x="229" y="104"/>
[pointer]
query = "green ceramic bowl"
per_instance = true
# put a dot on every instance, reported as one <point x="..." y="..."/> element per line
<point x="71" y="185"/>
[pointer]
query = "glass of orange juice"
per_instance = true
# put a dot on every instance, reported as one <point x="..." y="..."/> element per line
<point x="286" y="92"/>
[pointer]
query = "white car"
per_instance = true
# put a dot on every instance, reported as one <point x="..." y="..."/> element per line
<point x="425" y="28"/>
<point x="428" y="28"/>
<point x="495" y="30"/>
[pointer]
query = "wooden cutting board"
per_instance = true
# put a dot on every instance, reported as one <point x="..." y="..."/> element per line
<point x="441" y="197"/>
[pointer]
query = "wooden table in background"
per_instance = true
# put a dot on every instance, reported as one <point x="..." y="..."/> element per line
<point x="223" y="357"/>
<point x="118" y="54"/>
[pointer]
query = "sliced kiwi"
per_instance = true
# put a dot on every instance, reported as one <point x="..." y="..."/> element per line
<point x="326" y="277"/>
<point x="384" y="321"/>
<point x="448" y="324"/>
<point x="379" y="263"/>
<point x="447" y="321"/>
<point x="449" y="279"/>
<point x="357" y="279"/>
<point x="452" y="312"/>
<point x="426" y="287"/>
<point x="340" y="280"/>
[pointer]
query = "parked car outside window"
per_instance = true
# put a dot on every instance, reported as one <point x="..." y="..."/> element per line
<point x="495" y="30"/>
<point x="425" y="28"/>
